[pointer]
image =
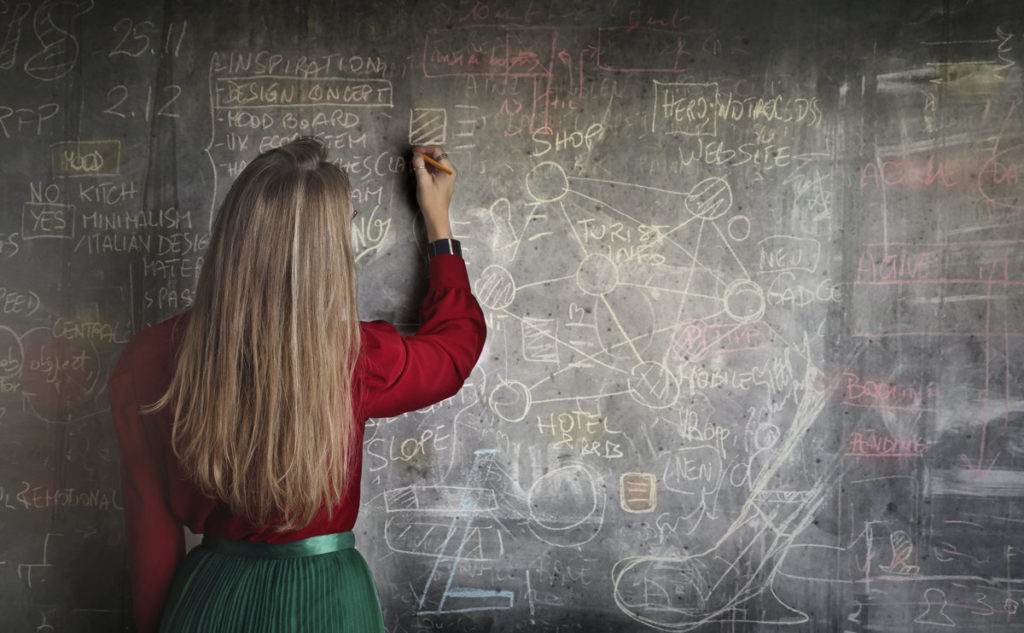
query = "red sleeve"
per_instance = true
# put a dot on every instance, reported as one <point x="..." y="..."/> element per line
<point x="407" y="373"/>
<point x="155" y="536"/>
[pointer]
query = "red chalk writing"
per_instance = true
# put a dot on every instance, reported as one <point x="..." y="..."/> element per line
<point x="874" y="394"/>
<point x="895" y="267"/>
<point x="873" y="444"/>
<point x="489" y="50"/>
<point x="930" y="173"/>
<point x="694" y="340"/>
<point x="637" y="19"/>
<point x="992" y="262"/>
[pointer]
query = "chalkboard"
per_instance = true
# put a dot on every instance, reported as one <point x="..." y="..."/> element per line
<point x="752" y="272"/>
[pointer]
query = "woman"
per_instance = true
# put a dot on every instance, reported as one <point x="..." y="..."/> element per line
<point x="242" y="419"/>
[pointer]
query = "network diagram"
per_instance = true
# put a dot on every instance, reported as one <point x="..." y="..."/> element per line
<point x="617" y="310"/>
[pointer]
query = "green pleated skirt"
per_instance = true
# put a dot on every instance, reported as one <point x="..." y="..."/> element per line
<point x="319" y="584"/>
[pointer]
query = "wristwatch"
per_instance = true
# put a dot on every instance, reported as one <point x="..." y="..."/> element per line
<point x="444" y="247"/>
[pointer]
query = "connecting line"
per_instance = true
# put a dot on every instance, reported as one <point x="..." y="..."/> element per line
<point x="1006" y="378"/>
<point x="788" y="343"/>
<point x="526" y="224"/>
<point x="988" y="363"/>
<point x="676" y="228"/>
<point x="730" y="249"/>
<point x="710" y="271"/>
<point x="627" y="184"/>
<point x="608" y="350"/>
<point x="637" y="338"/>
<point x="993" y="41"/>
<point x="572" y="227"/>
<point x="731" y="565"/>
<point x="504" y="527"/>
<point x="544" y="281"/>
<point x="605" y="204"/>
<point x="569" y="398"/>
<point x="572" y="347"/>
<point x="670" y="291"/>
<point x="621" y="328"/>
<point x="769" y="521"/>
<point x="689" y="280"/>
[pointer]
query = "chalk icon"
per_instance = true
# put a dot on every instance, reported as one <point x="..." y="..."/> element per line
<point x="902" y="550"/>
<point x="26" y="570"/>
<point x="428" y="126"/>
<point x="638" y="492"/>
<point x="934" y="613"/>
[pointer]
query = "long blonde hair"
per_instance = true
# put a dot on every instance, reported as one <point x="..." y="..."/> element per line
<point x="262" y="390"/>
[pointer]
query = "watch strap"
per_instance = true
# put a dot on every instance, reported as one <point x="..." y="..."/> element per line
<point x="445" y="246"/>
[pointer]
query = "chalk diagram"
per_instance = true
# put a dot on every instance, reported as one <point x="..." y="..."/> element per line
<point x="600" y="354"/>
<point x="659" y="268"/>
<point x="682" y="593"/>
<point x="675" y="298"/>
<point x="457" y="526"/>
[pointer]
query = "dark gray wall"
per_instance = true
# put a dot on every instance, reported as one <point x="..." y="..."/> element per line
<point x="752" y="270"/>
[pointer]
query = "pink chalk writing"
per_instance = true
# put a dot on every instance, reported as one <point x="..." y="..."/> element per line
<point x="637" y="19"/>
<point x="896" y="266"/>
<point x="912" y="173"/>
<point x="695" y="340"/>
<point x="873" y="444"/>
<point x="993" y="262"/>
<point x="999" y="179"/>
<point x="510" y="51"/>
<point x="874" y="394"/>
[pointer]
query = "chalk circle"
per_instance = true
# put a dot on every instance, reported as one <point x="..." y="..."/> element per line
<point x="744" y="301"/>
<point x="565" y="504"/>
<point x="710" y="198"/>
<point x="12" y="357"/>
<point x="653" y="385"/>
<point x="58" y="397"/>
<point x="642" y="585"/>
<point x="739" y="228"/>
<point x="597" y="275"/>
<point x="510" y="401"/>
<point x="766" y="436"/>
<point x="547" y="182"/>
<point x="496" y="289"/>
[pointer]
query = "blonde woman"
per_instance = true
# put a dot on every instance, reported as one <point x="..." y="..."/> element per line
<point x="242" y="418"/>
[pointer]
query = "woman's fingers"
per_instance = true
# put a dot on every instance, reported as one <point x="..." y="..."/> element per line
<point x="419" y="169"/>
<point x="437" y="154"/>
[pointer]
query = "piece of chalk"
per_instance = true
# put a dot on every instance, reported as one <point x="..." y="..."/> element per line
<point x="436" y="164"/>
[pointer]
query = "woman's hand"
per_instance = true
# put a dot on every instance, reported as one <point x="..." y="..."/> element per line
<point x="434" y="190"/>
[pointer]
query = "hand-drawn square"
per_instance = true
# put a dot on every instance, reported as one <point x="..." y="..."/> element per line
<point x="638" y="492"/>
<point x="540" y="339"/>
<point x="47" y="220"/>
<point x="86" y="158"/>
<point x="428" y="126"/>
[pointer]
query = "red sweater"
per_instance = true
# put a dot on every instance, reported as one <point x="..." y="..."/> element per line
<point x="395" y="374"/>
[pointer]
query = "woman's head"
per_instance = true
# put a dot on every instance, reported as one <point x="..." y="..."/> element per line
<point x="262" y="391"/>
<point x="289" y="204"/>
